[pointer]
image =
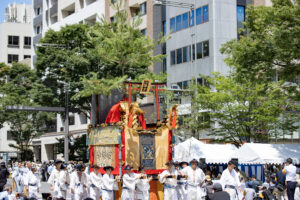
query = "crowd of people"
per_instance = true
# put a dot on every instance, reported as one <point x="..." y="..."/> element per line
<point x="181" y="181"/>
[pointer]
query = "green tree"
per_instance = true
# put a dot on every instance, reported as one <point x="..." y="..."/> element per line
<point x="67" y="56"/>
<point x="272" y="46"/>
<point x="77" y="151"/>
<point x="244" y="112"/>
<point x="19" y="85"/>
<point x="124" y="50"/>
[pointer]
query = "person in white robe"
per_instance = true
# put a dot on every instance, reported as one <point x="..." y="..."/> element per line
<point x="109" y="184"/>
<point x="182" y="183"/>
<point x="231" y="183"/>
<point x="54" y="179"/>
<point x="33" y="183"/>
<point x="78" y="183"/>
<point x="129" y="182"/>
<point x="63" y="182"/>
<point x="195" y="180"/>
<point x="142" y="185"/>
<point x="95" y="183"/>
<point x="17" y="177"/>
<point x="168" y="178"/>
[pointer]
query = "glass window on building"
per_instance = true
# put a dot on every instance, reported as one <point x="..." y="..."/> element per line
<point x="185" y="84"/>
<point x="144" y="32"/>
<point x="173" y="57"/>
<point x="199" y="50"/>
<point x="9" y="135"/>
<point x="179" y="55"/>
<point x="240" y="16"/>
<point x="27" y="56"/>
<point x="172" y="25"/>
<point x="178" y="22"/>
<point x="164" y="65"/>
<point x="193" y="53"/>
<point x="191" y="18"/>
<point x="12" y="58"/>
<point x="185" y="20"/>
<point x="143" y="8"/>
<point x="205" y="14"/>
<point x="198" y="16"/>
<point x="205" y="48"/>
<point x="185" y="54"/>
<point x="13" y="40"/>
<point x="27" y="41"/>
<point x="164" y="24"/>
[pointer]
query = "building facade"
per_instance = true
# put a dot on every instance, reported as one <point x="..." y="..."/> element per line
<point x="15" y="46"/>
<point x="54" y="14"/>
<point x="197" y="36"/>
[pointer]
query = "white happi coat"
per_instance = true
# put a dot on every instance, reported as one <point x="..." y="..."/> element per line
<point x="108" y="187"/>
<point x="95" y="185"/>
<point x="129" y="181"/>
<point x="194" y="181"/>
<point x="231" y="179"/>
<point x="17" y="176"/>
<point x="62" y="184"/>
<point x="33" y="183"/>
<point x="54" y="182"/>
<point x="181" y="187"/>
<point x="169" y="184"/>
<point x="142" y="188"/>
<point x="78" y="185"/>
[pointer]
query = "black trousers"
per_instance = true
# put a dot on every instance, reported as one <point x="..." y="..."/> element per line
<point x="290" y="190"/>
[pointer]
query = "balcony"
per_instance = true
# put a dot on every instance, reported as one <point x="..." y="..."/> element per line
<point x="38" y="20"/>
<point x="37" y="38"/>
<point x="37" y="3"/>
<point x="53" y="10"/>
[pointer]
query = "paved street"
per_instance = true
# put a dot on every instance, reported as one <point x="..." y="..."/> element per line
<point x="45" y="188"/>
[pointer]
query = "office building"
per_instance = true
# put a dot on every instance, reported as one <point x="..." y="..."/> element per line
<point x="16" y="33"/>
<point x="54" y="14"/>
<point x="15" y="46"/>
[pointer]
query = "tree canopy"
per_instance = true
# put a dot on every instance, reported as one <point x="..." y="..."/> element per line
<point x="19" y="85"/>
<point x="272" y="46"/>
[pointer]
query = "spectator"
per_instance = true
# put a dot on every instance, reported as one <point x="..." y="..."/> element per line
<point x="218" y="193"/>
<point x="3" y="175"/>
<point x="6" y="194"/>
<point x="280" y="184"/>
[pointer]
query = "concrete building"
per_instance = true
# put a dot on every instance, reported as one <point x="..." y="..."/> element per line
<point x="54" y="14"/>
<point x="204" y="30"/>
<point x="16" y="33"/>
<point x="15" y="46"/>
<point x="152" y="17"/>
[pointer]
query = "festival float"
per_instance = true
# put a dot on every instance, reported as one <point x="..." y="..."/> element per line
<point x="125" y="138"/>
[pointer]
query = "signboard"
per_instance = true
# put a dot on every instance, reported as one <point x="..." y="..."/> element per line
<point x="105" y="155"/>
<point x="104" y="135"/>
<point x="147" y="149"/>
<point x="146" y="85"/>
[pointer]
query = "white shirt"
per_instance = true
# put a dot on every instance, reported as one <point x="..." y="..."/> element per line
<point x="129" y="180"/>
<point x="78" y="184"/>
<point x="108" y="182"/>
<point x="169" y="181"/>
<point x="228" y="178"/>
<point x="143" y="184"/>
<point x="290" y="173"/>
<point x="195" y="177"/>
<point x="96" y="179"/>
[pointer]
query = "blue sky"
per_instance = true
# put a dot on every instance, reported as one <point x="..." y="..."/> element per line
<point x="4" y="3"/>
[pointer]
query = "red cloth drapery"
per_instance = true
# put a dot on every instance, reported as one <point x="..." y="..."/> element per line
<point x="92" y="158"/>
<point x="114" y="114"/>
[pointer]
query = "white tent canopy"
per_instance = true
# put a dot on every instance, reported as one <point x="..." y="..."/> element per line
<point x="213" y="153"/>
<point x="255" y="153"/>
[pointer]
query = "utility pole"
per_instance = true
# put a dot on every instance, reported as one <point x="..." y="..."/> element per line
<point x="66" y="145"/>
